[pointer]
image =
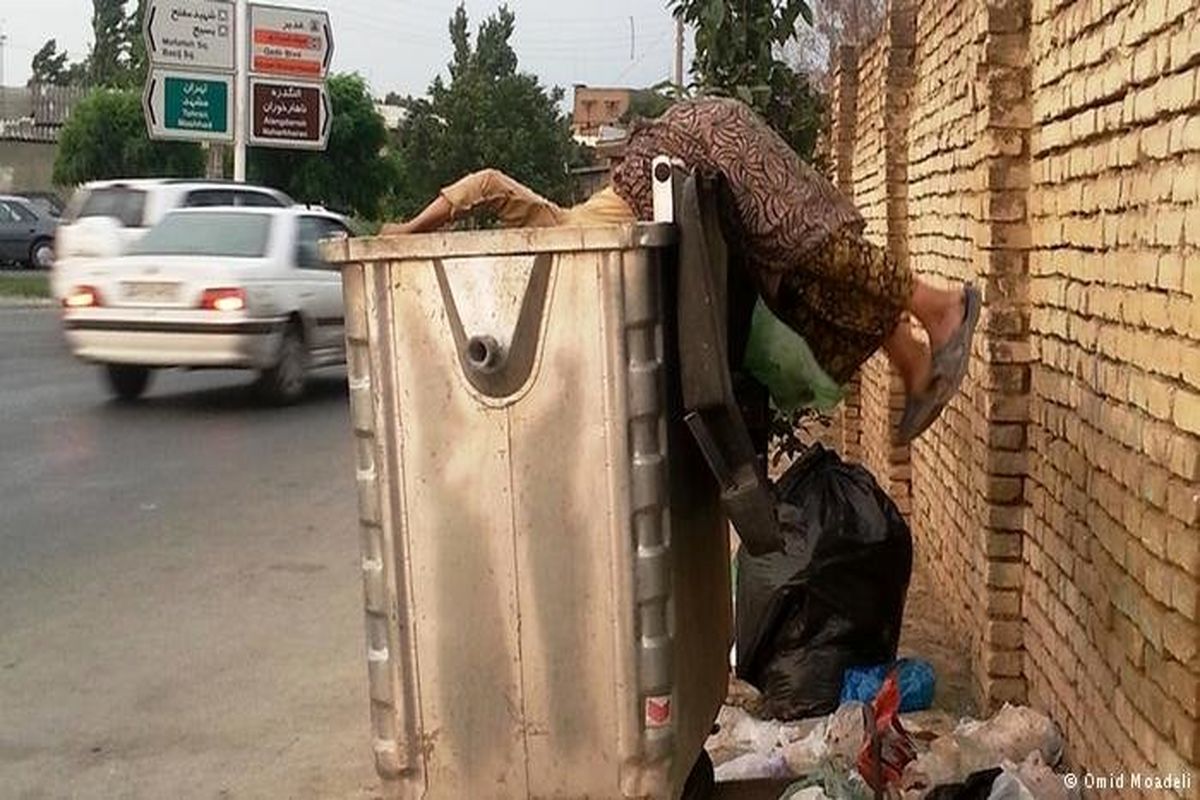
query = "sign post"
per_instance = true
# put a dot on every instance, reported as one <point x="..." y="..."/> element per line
<point x="290" y="52"/>
<point x="190" y="34"/>
<point x="189" y="106"/>
<point x="239" y="116"/>
<point x="288" y="115"/>
<point x="228" y="71"/>
<point x="191" y="89"/>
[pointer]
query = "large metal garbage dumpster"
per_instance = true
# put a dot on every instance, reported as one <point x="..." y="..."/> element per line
<point x="545" y="561"/>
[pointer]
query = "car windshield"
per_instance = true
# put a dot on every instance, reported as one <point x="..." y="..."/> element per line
<point x="122" y="202"/>
<point x="218" y="233"/>
<point x="44" y="205"/>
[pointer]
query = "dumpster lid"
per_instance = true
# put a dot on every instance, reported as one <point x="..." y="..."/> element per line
<point x="507" y="242"/>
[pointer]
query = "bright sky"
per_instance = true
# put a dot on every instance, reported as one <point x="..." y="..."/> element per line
<point x="399" y="45"/>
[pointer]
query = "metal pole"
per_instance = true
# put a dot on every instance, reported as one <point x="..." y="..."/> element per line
<point x="679" y="55"/>
<point x="241" y="86"/>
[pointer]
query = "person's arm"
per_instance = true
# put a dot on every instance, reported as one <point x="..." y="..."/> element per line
<point x="436" y="215"/>
<point x="516" y="205"/>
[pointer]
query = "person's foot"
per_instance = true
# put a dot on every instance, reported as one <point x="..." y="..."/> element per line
<point x="947" y="321"/>
<point x="921" y="376"/>
<point x="948" y="368"/>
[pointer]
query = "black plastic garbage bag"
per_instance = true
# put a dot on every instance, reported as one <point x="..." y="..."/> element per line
<point x="833" y="598"/>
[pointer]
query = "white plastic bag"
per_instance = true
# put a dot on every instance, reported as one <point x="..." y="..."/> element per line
<point x="1015" y="732"/>
<point x="753" y="767"/>
<point x="806" y="755"/>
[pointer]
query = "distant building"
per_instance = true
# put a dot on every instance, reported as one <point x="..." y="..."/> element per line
<point x="30" y="121"/>
<point x="608" y="148"/>
<point x="597" y="107"/>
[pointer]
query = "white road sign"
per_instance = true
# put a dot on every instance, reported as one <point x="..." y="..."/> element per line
<point x="290" y="42"/>
<point x="195" y="34"/>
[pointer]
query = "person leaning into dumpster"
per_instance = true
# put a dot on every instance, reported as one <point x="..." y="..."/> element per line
<point x="802" y="239"/>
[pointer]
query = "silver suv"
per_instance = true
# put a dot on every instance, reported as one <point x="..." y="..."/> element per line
<point x="105" y="217"/>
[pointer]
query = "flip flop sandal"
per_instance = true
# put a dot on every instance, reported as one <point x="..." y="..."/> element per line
<point x="951" y="360"/>
<point x="920" y="411"/>
<point x="950" y="363"/>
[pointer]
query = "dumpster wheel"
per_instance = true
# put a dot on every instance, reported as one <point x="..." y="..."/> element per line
<point x="701" y="782"/>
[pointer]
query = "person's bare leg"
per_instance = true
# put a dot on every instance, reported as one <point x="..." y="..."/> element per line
<point x="939" y="310"/>
<point x="910" y="356"/>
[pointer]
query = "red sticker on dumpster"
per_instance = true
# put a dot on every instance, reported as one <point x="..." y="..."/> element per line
<point x="658" y="711"/>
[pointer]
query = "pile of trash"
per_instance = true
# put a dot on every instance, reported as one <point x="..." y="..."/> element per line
<point x="926" y="754"/>
<point x="833" y="599"/>
<point x="818" y="628"/>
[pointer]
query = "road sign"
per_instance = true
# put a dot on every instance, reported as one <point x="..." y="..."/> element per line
<point x="290" y="42"/>
<point x="189" y="106"/>
<point x="194" y="34"/>
<point x="289" y="114"/>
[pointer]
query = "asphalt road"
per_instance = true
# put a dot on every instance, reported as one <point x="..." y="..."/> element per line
<point x="180" y="601"/>
<point x="180" y="604"/>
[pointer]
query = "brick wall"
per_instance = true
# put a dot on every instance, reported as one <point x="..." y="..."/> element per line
<point x="1110" y="594"/>
<point x="1049" y="151"/>
<point x="877" y="179"/>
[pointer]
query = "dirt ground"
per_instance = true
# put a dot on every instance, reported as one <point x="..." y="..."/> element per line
<point x="925" y="635"/>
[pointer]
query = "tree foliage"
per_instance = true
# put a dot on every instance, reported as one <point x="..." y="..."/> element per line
<point x="353" y="174"/>
<point x="739" y="47"/>
<point x="647" y="104"/>
<point x="105" y="137"/>
<point x="50" y="67"/>
<point x="835" y="23"/>
<point x="489" y="114"/>
<point x="110" y="44"/>
<point x="118" y="56"/>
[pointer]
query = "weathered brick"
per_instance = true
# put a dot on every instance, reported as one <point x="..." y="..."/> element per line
<point x="1003" y="603"/>
<point x="1187" y="411"/>
<point x="1182" y="684"/>
<point x="1181" y="637"/>
<point x="1185" y="594"/>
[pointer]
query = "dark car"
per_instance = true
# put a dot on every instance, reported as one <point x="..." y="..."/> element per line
<point x="47" y="202"/>
<point x="26" y="233"/>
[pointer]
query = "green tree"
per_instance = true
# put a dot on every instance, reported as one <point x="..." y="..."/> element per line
<point x="49" y="67"/>
<point x="110" y="47"/>
<point x="739" y="53"/>
<point x="137" y="64"/>
<point x="489" y="114"/>
<point x="52" y="68"/>
<point x="353" y="174"/>
<point x="105" y="137"/>
<point x="647" y="104"/>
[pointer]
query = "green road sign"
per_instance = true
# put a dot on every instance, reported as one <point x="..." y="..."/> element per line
<point x="189" y="106"/>
<point x="196" y="105"/>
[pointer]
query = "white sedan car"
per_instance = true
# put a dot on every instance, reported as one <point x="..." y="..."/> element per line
<point x="212" y="287"/>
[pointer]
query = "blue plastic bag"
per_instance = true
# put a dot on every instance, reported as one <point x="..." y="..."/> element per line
<point x="916" y="679"/>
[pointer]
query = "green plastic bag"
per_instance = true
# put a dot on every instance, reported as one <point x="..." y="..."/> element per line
<point x="781" y="360"/>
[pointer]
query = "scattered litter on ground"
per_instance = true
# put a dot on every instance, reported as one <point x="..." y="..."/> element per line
<point x="753" y="767"/>
<point x="887" y="748"/>
<point x="915" y="677"/>
<point x="1009" y="756"/>
<point x="1011" y="735"/>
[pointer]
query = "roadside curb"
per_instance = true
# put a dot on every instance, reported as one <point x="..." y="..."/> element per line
<point x="25" y="302"/>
